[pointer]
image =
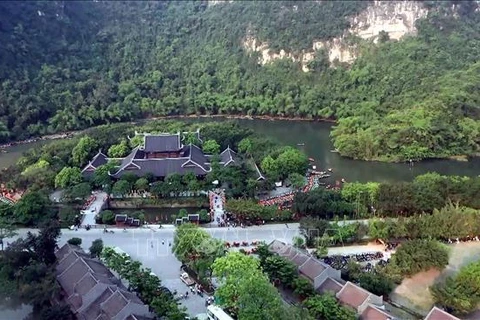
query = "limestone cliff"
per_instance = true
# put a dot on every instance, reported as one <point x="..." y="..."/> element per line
<point x="396" y="18"/>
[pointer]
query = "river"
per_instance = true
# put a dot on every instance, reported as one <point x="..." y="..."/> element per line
<point x="318" y="145"/>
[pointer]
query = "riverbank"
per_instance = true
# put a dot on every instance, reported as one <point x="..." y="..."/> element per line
<point x="56" y="136"/>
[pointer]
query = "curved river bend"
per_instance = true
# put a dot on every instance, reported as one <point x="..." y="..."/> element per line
<point x="318" y="145"/>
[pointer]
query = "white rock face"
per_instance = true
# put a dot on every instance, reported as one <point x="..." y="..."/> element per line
<point x="397" y="18"/>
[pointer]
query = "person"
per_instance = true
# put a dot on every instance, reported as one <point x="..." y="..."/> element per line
<point x="186" y="295"/>
<point x="169" y="244"/>
<point x="163" y="242"/>
<point x="151" y="244"/>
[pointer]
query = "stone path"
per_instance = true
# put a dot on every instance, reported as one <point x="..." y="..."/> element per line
<point x="94" y="208"/>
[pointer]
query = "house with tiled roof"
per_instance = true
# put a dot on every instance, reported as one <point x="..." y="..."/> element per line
<point x="376" y="313"/>
<point x="98" y="160"/>
<point x="92" y="291"/>
<point x="439" y="314"/>
<point x="310" y="268"/>
<point x="357" y="298"/>
<point x="327" y="280"/>
<point x="162" y="155"/>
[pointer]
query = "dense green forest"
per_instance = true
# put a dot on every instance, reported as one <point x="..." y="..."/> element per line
<point x="68" y="65"/>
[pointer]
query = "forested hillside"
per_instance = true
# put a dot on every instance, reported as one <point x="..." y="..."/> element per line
<point x="70" y="65"/>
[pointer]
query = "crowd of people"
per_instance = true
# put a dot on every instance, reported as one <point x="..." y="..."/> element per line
<point x="89" y="201"/>
<point x="9" y="195"/>
<point x="284" y="200"/>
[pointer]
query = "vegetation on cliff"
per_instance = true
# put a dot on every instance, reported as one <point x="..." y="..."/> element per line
<point x="70" y="65"/>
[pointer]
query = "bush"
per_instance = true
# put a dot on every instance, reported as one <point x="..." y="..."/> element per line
<point x="96" y="248"/>
<point x="108" y="217"/>
<point x="75" y="241"/>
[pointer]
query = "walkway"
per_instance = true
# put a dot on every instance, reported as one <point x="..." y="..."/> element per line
<point x="93" y="206"/>
<point x="217" y="199"/>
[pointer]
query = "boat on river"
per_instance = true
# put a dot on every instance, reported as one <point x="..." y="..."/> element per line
<point x="301" y="144"/>
<point x="311" y="159"/>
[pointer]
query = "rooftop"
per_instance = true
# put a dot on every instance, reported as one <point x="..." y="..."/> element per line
<point x="439" y="314"/>
<point x="92" y="291"/>
<point x="163" y="142"/>
<point x="352" y="295"/>
<point x="330" y="285"/>
<point x="374" y="313"/>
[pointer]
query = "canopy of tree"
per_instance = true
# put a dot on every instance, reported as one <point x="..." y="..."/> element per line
<point x="460" y="293"/>
<point x="415" y="256"/>
<point x="27" y="275"/>
<point x="69" y="65"/>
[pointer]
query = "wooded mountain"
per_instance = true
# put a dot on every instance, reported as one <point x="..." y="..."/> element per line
<point x="68" y="65"/>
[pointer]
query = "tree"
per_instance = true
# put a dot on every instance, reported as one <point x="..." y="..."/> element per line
<point x="118" y="150"/>
<point x="303" y="288"/>
<point x="75" y="241"/>
<point x="245" y="146"/>
<point x="211" y="147"/>
<point x="297" y="180"/>
<point x="312" y="228"/>
<point x="68" y="177"/>
<point x="298" y="242"/>
<point x="141" y="184"/>
<point x="415" y="256"/>
<point x="326" y="307"/>
<point x="101" y="178"/>
<point x="31" y="208"/>
<point x="83" y="150"/>
<point x="121" y="188"/>
<point x="292" y="161"/>
<point x="375" y="282"/>
<point x="96" y="248"/>
<point x="280" y="270"/>
<point x="270" y="167"/>
<point x="204" y="216"/>
<point x="7" y="230"/>
<point x="245" y="289"/>
<point x="108" y="217"/>
<point x="81" y="191"/>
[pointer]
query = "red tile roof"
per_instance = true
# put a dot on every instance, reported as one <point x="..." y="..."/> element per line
<point x="330" y="285"/>
<point x="353" y="295"/>
<point x="439" y="314"/>
<point x="373" y="313"/>
<point x="312" y="268"/>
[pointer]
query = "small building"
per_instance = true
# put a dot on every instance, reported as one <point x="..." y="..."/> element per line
<point x="357" y="298"/>
<point x="123" y="220"/>
<point x="439" y="314"/>
<point x="330" y="286"/>
<point x="310" y="268"/>
<point x="98" y="160"/>
<point x="375" y="313"/>
<point x="92" y="291"/>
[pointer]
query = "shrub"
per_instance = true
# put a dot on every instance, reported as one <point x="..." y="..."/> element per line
<point x="75" y="241"/>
